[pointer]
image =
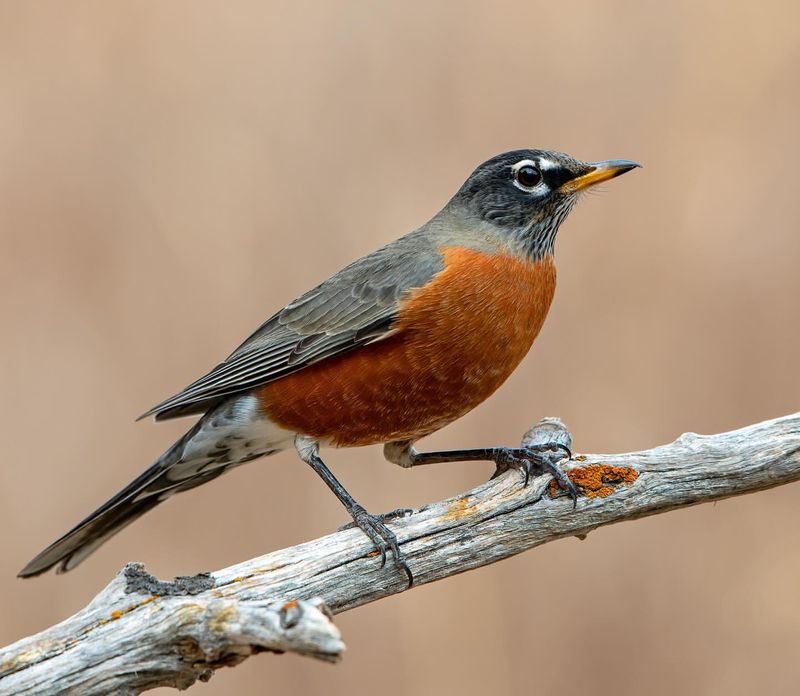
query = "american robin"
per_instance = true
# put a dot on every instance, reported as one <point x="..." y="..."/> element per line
<point x="388" y="350"/>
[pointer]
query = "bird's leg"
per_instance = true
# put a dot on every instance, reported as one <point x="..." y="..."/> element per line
<point x="380" y="535"/>
<point x="531" y="459"/>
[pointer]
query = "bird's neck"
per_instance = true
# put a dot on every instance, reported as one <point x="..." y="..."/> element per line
<point x="536" y="241"/>
<point x="533" y="242"/>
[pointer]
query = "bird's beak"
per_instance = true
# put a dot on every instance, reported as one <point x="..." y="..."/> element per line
<point x="598" y="171"/>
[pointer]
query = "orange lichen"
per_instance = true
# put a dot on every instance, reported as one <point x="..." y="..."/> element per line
<point x="119" y="613"/>
<point x="598" y="480"/>
<point x="458" y="508"/>
<point x="291" y="604"/>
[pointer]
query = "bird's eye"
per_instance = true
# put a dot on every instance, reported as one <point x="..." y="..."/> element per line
<point x="527" y="176"/>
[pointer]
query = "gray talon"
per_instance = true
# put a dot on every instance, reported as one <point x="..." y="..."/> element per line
<point x="535" y="459"/>
<point x="383" y="538"/>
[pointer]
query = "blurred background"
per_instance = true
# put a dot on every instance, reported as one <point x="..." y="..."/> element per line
<point x="172" y="173"/>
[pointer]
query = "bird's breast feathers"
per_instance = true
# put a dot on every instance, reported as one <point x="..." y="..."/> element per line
<point x="454" y="342"/>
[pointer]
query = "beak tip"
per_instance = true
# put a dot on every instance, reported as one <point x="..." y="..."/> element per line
<point x="599" y="172"/>
<point x="621" y="165"/>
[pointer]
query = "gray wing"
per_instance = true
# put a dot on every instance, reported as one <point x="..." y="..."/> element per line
<point x="357" y="305"/>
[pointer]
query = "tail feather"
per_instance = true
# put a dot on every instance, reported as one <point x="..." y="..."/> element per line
<point x="126" y="507"/>
<point x="79" y="544"/>
<point x="110" y="518"/>
<point x="220" y="441"/>
<point x="80" y="541"/>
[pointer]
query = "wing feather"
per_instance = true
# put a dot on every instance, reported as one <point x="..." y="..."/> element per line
<point x="357" y="305"/>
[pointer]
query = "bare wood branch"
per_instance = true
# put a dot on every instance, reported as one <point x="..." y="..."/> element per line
<point x="139" y="633"/>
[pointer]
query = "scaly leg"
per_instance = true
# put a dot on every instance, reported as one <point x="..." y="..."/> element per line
<point x="380" y="535"/>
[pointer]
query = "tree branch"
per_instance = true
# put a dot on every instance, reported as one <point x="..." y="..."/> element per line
<point x="139" y="633"/>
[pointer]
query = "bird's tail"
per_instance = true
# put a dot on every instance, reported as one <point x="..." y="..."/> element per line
<point x="198" y="457"/>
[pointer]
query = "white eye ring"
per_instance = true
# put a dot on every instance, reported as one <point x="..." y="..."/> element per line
<point x="527" y="175"/>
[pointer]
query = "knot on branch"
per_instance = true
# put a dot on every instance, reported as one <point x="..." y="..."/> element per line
<point x="225" y="632"/>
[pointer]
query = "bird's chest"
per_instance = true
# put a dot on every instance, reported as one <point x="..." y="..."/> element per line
<point x="455" y="341"/>
<point x="467" y="331"/>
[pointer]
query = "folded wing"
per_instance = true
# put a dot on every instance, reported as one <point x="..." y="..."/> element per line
<point x="356" y="306"/>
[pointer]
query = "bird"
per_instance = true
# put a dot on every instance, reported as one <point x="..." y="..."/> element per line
<point x="388" y="350"/>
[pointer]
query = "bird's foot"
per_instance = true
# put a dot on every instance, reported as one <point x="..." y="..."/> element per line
<point x="384" y="517"/>
<point x="383" y="537"/>
<point x="538" y="459"/>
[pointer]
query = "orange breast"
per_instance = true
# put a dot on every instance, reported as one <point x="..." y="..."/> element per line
<point x="456" y="342"/>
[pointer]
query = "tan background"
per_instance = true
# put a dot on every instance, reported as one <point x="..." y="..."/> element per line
<point x="172" y="172"/>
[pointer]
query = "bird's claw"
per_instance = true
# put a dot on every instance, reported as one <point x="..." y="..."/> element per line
<point x="383" y="537"/>
<point x="383" y="517"/>
<point x="534" y="459"/>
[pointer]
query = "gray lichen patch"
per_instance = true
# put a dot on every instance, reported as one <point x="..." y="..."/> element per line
<point x="139" y="581"/>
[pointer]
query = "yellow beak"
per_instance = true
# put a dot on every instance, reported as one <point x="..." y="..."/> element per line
<point x="598" y="172"/>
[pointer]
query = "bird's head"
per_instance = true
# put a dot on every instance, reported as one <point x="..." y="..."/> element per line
<point x="526" y="194"/>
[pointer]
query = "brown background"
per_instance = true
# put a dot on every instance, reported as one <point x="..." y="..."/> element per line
<point x="172" y="172"/>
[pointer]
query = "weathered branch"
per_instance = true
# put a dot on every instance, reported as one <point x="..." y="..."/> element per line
<point x="139" y="633"/>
